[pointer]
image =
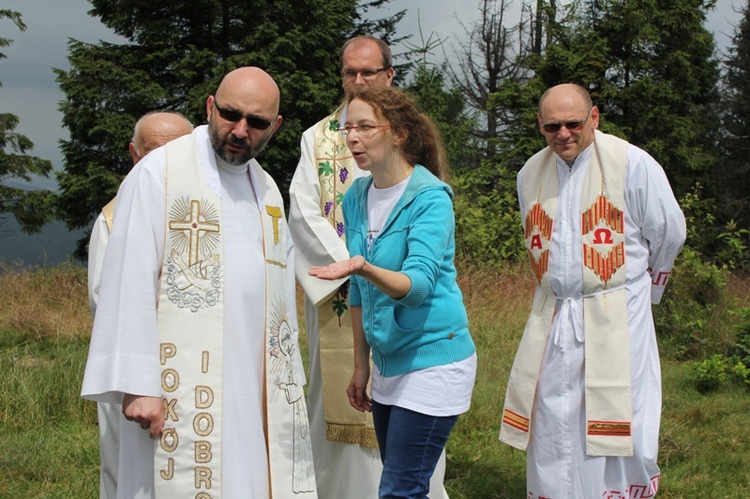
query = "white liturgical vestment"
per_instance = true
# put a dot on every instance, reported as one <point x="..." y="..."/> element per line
<point x="558" y="466"/>
<point x="124" y="351"/>
<point x="109" y="415"/>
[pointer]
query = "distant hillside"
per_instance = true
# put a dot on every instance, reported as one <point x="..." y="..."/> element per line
<point x="54" y="244"/>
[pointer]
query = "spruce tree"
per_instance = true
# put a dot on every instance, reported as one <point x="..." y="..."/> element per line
<point x="173" y="56"/>
<point x="31" y="208"/>
<point x="733" y="171"/>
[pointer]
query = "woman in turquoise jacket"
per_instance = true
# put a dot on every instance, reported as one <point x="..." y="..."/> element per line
<point x="407" y="309"/>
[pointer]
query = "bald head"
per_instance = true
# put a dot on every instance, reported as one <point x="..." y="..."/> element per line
<point x="156" y="129"/>
<point x="568" y="120"/>
<point x="243" y="115"/>
<point x="569" y="91"/>
<point x="250" y="87"/>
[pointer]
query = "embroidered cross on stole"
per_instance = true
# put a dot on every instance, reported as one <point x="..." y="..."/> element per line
<point x="191" y="302"/>
<point x="606" y="343"/>
<point x="336" y="173"/>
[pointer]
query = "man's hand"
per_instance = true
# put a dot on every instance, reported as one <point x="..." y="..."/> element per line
<point x="146" y="411"/>
<point x="337" y="270"/>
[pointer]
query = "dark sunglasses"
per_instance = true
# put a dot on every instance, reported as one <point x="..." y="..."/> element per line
<point x="572" y="126"/>
<point x="234" y="116"/>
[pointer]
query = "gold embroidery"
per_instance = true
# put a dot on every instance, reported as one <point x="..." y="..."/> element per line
<point x="203" y="478"/>
<point x="203" y="451"/>
<point x="166" y="351"/>
<point x="170" y="380"/>
<point x="169" y="412"/>
<point x="204" y="397"/>
<point x="203" y="424"/>
<point x="169" y="440"/>
<point x="276" y="214"/>
<point x="194" y="223"/>
<point x="169" y="472"/>
<point x="274" y="262"/>
<point x="204" y="362"/>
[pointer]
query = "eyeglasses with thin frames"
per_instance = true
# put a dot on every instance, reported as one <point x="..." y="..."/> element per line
<point x="235" y="116"/>
<point x="572" y="126"/>
<point x="366" y="74"/>
<point x="362" y="130"/>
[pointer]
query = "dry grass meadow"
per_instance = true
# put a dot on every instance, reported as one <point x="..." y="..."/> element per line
<point x="48" y="435"/>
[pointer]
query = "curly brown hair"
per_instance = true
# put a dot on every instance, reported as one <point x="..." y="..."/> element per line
<point x="422" y="143"/>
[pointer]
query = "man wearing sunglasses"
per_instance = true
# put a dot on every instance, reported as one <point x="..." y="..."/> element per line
<point x="152" y="130"/>
<point x="195" y="331"/>
<point x="602" y="229"/>
<point x="347" y="462"/>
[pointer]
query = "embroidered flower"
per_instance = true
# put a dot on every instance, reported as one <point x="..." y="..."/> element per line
<point x="327" y="207"/>
<point x="196" y="303"/>
<point x="343" y="174"/>
<point x="339" y="229"/>
<point x="212" y="297"/>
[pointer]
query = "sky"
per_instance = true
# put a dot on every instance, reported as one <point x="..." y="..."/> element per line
<point x="28" y="82"/>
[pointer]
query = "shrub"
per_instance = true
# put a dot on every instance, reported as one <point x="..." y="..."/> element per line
<point x="691" y="319"/>
<point x="719" y="371"/>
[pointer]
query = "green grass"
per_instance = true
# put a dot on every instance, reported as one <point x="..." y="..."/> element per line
<point x="49" y="438"/>
<point x="48" y="434"/>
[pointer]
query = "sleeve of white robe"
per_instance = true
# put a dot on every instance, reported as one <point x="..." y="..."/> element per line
<point x="124" y="354"/>
<point x="657" y="214"/>
<point x="299" y="368"/>
<point x="97" y="247"/>
<point x="315" y="238"/>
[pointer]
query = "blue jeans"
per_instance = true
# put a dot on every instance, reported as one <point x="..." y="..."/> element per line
<point x="410" y="446"/>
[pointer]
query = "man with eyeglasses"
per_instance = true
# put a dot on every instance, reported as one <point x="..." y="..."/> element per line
<point x="152" y="130"/>
<point x="195" y="331"/>
<point x="347" y="462"/>
<point x="602" y="229"/>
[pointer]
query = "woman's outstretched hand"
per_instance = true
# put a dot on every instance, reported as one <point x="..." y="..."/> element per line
<point x="337" y="270"/>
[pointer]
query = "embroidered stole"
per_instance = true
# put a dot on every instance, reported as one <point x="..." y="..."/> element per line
<point x="606" y="344"/>
<point x="190" y="322"/>
<point x="336" y="173"/>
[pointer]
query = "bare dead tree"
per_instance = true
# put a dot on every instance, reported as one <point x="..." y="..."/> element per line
<point x="487" y="58"/>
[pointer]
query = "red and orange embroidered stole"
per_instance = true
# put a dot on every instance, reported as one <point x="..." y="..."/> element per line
<point x="606" y="343"/>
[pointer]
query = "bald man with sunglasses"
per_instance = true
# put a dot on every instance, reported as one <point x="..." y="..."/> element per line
<point x="602" y="230"/>
<point x="195" y="332"/>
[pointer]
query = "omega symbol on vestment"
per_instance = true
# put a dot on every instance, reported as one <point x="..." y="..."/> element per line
<point x="603" y="238"/>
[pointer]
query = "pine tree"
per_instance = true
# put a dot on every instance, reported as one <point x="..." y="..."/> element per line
<point x="650" y="68"/>
<point x="733" y="171"/>
<point x="31" y="208"/>
<point x="174" y="55"/>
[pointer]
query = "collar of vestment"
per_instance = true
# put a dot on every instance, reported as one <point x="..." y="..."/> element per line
<point x="606" y="343"/>
<point x="190" y="324"/>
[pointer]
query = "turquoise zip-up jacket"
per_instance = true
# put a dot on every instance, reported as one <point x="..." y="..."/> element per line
<point x="429" y="326"/>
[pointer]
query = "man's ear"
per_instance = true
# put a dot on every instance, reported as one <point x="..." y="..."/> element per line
<point x="209" y="107"/>
<point x="133" y="153"/>
<point x="279" y="120"/>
